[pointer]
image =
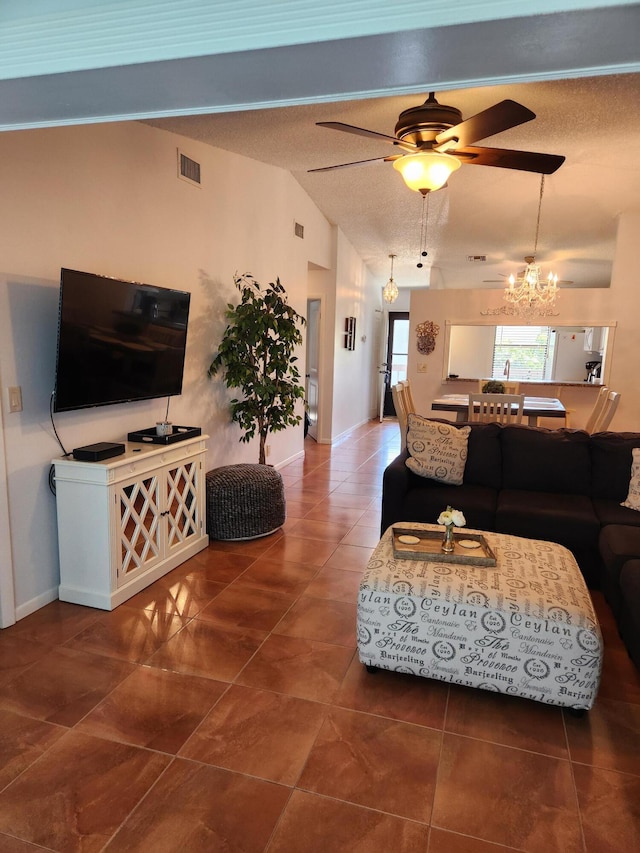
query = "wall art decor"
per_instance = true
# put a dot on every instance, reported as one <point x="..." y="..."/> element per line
<point x="426" y="336"/>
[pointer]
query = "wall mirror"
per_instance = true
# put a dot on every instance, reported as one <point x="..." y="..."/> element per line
<point x="542" y="353"/>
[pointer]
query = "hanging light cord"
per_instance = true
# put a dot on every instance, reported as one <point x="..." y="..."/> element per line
<point x="423" y="225"/>
<point x="423" y="228"/>
<point x="535" y="248"/>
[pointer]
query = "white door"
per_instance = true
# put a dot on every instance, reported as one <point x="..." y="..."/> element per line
<point x="312" y="383"/>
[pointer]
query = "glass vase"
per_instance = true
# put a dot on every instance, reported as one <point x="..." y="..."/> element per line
<point x="447" y="542"/>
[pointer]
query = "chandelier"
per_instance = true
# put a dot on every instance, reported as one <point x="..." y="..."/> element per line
<point x="390" y="290"/>
<point x="528" y="291"/>
<point x="531" y="287"/>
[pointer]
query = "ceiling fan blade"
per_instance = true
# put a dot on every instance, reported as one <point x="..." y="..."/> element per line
<point x="355" y="163"/>
<point x="524" y="161"/>
<point x="561" y="282"/>
<point x="495" y="119"/>
<point x="361" y="131"/>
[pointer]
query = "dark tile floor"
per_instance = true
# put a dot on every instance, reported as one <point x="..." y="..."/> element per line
<point x="224" y="709"/>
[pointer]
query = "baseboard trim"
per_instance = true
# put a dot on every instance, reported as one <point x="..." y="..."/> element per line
<point x="36" y="603"/>
<point x="348" y="431"/>
<point x="298" y="455"/>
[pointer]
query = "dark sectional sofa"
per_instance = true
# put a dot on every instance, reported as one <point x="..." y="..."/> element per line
<point x="562" y="485"/>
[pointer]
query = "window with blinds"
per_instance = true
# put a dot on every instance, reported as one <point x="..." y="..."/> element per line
<point x="528" y="348"/>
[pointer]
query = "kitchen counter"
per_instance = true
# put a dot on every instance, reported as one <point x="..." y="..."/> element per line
<point x="538" y="383"/>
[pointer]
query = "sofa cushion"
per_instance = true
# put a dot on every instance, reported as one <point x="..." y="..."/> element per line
<point x="478" y="503"/>
<point x="630" y="608"/>
<point x="618" y="543"/>
<point x="569" y="520"/>
<point x="633" y="497"/>
<point x="543" y="460"/>
<point x="436" y="450"/>
<point x="611" y="512"/>
<point x="611" y="458"/>
<point x="484" y="456"/>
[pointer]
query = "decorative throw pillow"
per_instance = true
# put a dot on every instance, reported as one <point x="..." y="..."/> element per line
<point x="437" y="450"/>
<point x="633" y="498"/>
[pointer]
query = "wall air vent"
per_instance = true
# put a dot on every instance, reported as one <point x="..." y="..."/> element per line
<point x="476" y="259"/>
<point x="188" y="169"/>
<point x="298" y="230"/>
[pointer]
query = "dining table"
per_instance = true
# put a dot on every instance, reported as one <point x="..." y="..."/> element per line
<point x="534" y="407"/>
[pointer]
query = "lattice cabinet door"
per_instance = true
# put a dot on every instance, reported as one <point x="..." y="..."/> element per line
<point x="183" y="503"/>
<point x="138" y="519"/>
<point x="125" y="522"/>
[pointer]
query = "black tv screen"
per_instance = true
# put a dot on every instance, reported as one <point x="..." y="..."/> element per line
<point x="118" y="341"/>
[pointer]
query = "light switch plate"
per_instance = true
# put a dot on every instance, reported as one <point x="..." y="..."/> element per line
<point x="15" y="398"/>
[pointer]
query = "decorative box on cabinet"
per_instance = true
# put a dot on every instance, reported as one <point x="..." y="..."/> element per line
<point x="126" y="521"/>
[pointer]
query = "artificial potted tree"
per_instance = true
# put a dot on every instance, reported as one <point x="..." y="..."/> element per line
<point x="257" y="355"/>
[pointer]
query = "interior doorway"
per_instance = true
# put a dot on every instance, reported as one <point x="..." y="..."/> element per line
<point x="312" y="376"/>
<point x="397" y="357"/>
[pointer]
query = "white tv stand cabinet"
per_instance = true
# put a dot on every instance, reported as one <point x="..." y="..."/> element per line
<point x="126" y="521"/>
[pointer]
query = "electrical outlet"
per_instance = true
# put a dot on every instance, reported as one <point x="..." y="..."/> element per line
<point x="15" y="398"/>
<point x="422" y="367"/>
<point x="267" y="450"/>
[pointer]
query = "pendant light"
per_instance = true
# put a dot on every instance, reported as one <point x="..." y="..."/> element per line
<point x="390" y="290"/>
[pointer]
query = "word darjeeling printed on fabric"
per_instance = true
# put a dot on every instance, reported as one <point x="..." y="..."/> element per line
<point x="492" y="628"/>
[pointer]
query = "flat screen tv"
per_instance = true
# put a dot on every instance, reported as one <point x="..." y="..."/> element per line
<point x="118" y="341"/>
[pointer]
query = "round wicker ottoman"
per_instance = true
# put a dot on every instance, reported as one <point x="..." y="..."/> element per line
<point x="244" y="501"/>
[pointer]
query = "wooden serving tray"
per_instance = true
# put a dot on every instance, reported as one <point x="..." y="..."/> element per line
<point x="429" y="548"/>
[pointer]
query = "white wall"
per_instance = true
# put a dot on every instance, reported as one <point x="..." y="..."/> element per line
<point x="356" y="295"/>
<point x="106" y="199"/>
<point x="619" y="304"/>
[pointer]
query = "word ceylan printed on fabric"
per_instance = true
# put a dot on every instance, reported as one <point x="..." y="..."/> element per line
<point x="525" y="627"/>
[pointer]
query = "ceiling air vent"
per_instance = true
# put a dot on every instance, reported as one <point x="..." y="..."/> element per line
<point x="476" y="259"/>
<point x="298" y="230"/>
<point x="188" y="169"/>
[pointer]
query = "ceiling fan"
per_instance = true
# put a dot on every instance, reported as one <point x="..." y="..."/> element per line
<point x="436" y="142"/>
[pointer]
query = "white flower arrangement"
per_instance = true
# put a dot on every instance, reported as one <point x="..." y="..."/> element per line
<point x="452" y="516"/>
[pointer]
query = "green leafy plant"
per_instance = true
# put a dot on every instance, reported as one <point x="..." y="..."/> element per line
<point x="256" y="354"/>
<point x="493" y="386"/>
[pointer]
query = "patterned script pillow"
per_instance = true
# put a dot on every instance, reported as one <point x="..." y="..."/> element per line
<point x="436" y="450"/>
<point x="633" y="498"/>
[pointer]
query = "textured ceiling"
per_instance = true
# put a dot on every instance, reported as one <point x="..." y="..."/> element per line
<point x="594" y="122"/>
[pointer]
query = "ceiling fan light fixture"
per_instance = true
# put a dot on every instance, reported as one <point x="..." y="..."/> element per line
<point x="426" y="171"/>
<point x="390" y="290"/>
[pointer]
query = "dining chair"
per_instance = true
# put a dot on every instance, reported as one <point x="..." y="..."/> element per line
<point x="397" y="395"/>
<point x="409" y="402"/>
<point x="501" y="408"/>
<point x="596" y="412"/>
<point x="556" y="392"/>
<point x="608" y="411"/>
